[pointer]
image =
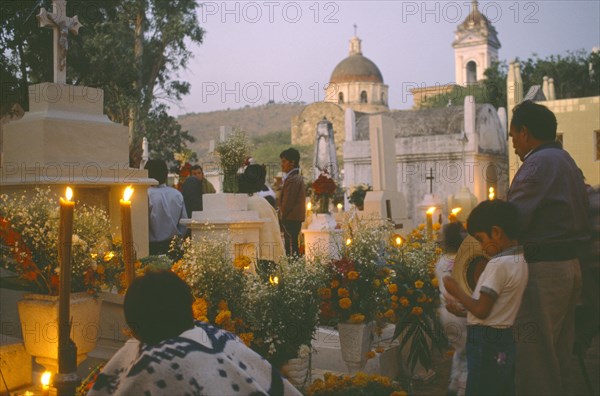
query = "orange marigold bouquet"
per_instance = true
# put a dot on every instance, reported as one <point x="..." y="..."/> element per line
<point x="360" y="384"/>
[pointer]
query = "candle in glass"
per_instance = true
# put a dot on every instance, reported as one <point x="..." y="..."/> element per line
<point x="429" y="217"/>
<point x="127" y="234"/>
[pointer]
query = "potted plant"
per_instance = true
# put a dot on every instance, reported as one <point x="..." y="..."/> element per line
<point x="232" y="152"/>
<point x="29" y="230"/>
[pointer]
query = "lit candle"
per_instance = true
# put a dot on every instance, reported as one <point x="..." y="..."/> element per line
<point x="65" y="242"/>
<point x="348" y="242"/>
<point x="453" y="213"/>
<point x="273" y="280"/>
<point x="491" y="194"/>
<point x="339" y="207"/>
<point x="429" y="216"/>
<point x="45" y="380"/>
<point x="127" y="234"/>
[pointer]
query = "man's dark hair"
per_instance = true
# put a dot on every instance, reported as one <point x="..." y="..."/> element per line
<point x="158" y="306"/>
<point x="157" y="169"/>
<point x="539" y="120"/>
<point x="498" y="213"/>
<point x="196" y="167"/>
<point x="453" y="235"/>
<point x="291" y="154"/>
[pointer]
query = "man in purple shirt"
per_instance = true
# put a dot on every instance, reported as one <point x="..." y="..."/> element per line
<point x="550" y="194"/>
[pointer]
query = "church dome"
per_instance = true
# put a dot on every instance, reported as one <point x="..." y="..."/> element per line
<point x="356" y="68"/>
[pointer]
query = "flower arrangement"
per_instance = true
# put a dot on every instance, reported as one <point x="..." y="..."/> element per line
<point x="284" y="311"/>
<point x="357" y="195"/>
<point x="323" y="189"/>
<point x="357" y="281"/>
<point x="414" y="297"/>
<point x="232" y="153"/>
<point x="29" y="230"/>
<point x="359" y="384"/>
<point x="218" y="285"/>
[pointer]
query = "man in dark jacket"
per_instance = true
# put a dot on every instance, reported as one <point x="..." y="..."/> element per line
<point x="291" y="202"/>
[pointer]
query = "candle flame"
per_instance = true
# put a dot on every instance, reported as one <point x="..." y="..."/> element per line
<point x="398" y="240"/>
<point x="273" y="280"/>
<point x="46" y="379"/>
<point x="491" y="194"/>
<point x="456" y="210"/>
<point x="69" y="193"/>
<point x="128" y="193"/>
<point x="431" y="210"/>
<point x="348" y="242"/>
<point x="340" y="206"/>
<point x="309" y="206"/>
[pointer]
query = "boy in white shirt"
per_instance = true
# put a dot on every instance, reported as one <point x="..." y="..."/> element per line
<point x="493" y="307"/>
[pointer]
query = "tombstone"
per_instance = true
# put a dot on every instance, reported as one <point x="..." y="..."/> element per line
<point x="325" y="159"/>
<point x="385" y="200"/>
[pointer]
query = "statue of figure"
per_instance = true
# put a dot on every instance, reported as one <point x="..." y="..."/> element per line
<point x="325" y="156"/>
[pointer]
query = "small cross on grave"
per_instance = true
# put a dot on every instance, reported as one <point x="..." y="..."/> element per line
<point x="430" y="178"/>
<point x="61" y="26"/>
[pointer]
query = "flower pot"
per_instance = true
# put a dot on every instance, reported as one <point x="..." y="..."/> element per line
<point x="355" y="342"/>
<point x="323" y="204"/>
<point x="296" y="371"/>
<point x="38" y="314"/>
<point x="230" y="181"/>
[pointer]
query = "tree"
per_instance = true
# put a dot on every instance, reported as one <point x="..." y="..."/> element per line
<point x="132" y="49"/>
<point x="575" y="75"/>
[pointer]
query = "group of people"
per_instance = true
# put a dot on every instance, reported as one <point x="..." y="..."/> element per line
<point x="167" y="206"/>
<point x="520" y="317"/>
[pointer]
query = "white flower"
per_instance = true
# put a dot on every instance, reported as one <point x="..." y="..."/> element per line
<point x="303" y="351"/>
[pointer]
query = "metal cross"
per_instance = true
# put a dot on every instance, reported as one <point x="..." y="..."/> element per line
<point x="430" y="178"/>
<point x="61" y="26"/>
<point x="355" y="27"/>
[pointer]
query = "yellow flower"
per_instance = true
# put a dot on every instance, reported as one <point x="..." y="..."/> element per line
<point x="199" y="308"/>
<point x="394" y="305"/>
<point x="324" y="293"/>
<point x="222" y="305"/>
<point x="404" y="301"/>
<point x="422" y="299"/>
<point x="335" y="283"/>
<point x="223" y="317"/>
<point x="389" y="313"/>
<point x="393" y="288"/>
<point x="421" y="226"/>
<point x="377" y="282"/>
<point x="345" y="303"/>
<point x="352" y="275"/>
<point x="419" y="284"/>
<point x="394" y="298"/>
<point x="109" y="256"/>
<point x="436" y="226"/>
<point x="371" y="354"/>
<point x="100" y="269"/>
<point x="434" y="282"/>
<point x="343" y="292"/>
<point x="247" y="338"/>
<point x="399" y="393"/>
<point x="417" y="311"/>
<point x="357" y="318"/>
<point x="380" y="349"/>
<point x="242" y="262"/>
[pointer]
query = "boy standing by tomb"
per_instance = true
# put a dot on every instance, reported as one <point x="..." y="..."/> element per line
<point x="493" y="307"/>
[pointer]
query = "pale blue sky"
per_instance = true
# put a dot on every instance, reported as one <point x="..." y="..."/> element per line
<point x="287" y="50"/>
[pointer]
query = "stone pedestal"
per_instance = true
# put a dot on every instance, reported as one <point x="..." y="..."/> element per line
<point x="322" y="237"/>
<point x="228" y="214"/>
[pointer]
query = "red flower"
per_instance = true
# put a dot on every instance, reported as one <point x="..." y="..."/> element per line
<point x="324" y="185"/>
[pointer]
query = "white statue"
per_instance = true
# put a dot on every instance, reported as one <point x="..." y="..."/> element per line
<point x="325" y="159"/>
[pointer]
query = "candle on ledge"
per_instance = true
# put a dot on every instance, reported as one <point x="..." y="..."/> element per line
<point x="340" y="207"/>
<point x="66" y="355"/>
<point x="429" y="217"/>
<point x="453" y="213"/>
<point x="491" y="194"/>
<point x="127" y="234"/>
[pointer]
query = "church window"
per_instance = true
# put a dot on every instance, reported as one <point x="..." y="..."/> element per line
<point x="341" y="98"/>
<point x="383" y="98"/>
<point x="363" y="97"/>
<point x="471" y="72"/>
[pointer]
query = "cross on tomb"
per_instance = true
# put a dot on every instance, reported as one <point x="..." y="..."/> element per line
<point x="355" y="27"/>
<point x="430" y="178"/>
<point x="61" y="26"/>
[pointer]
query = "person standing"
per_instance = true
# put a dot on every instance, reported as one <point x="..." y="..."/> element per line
<point x="165" y="209"/>
<point x="549" y="193"/>
<point x="198" y="173"/>
<point x="291" y="203"/>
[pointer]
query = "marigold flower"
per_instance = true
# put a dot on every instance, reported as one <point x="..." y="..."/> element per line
<point x="421" y="226"/>
<point x="324" y="293"/>
<point x="345" y="303"/>
<point x="223" y="317"/>
<point x="435" y="282"/>
<point x="222" y="305"/>
<point x="342" y="292"/>
<point x="357" y="318"/>
<point x="380" y="349"/>
<point x="436" y="226"/>
<point x="389" y="313"/>
<point x="371" y="354"/>
<point x="352" y="275"/>
<point x="399" y="393"/>
<point x="394" y="298"/>
<point x="247" y="338"/>
<point x="417" y="311"/>
<point x="394" y="305"/>
<point x="335" y="283"/>
<point x="422" y="299"/>
<point x="100" y="269"/>
<point x="393" y="288"/>
<point x="377" y="282"/>
<point x="404" y="301"/>
<point x="199" y="308"/>
<point x="419" y="284"/>
<point x="242" y="262"/>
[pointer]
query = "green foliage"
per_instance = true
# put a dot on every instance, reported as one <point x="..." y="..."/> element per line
<point x="575" y="75"/>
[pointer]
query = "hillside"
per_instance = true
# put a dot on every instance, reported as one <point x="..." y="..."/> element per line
<point x="255" y="121"/>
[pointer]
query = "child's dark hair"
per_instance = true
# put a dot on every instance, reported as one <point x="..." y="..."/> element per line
<point x="157" y="169"/>
<point x="494" y="213"/>
<point x="158" y="306"/>
<point x="453" y="235"/>
<point x="291" y="154"/>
